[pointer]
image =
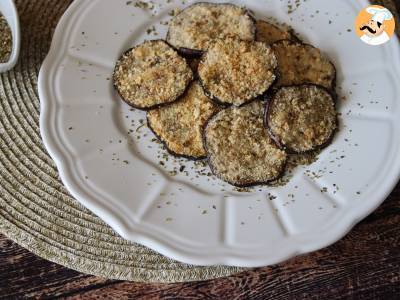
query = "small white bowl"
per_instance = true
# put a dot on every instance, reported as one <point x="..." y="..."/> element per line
<point x="9" y="11"/>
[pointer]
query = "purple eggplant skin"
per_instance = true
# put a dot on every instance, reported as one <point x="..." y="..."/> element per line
<point x="194" y="70"/>
<point x="196" y="53"/>
<point x="295" y="37"/>
<point x="269" y="100"/>
<point x="153" y="106"/>
<point x="191" y="53"/>
<point x="236" y="184"/>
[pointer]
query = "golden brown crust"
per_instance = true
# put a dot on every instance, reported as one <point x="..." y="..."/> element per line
<point x="300" y="63"/>
<point x="236" y="72"/>
<point x="301" y="118"/>
<point x="151" y="74"/>
<point x="196" y="27"/>
<point x="180" y="124"/>
<point x="6" y="42"/>
<point x="239" y="149"/>
<point x="269" y="33"/>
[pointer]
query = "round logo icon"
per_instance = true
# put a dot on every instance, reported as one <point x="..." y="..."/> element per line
<point x="375" y="25"/>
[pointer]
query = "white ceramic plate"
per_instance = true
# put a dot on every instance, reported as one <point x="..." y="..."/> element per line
<point x="109" y="162"/>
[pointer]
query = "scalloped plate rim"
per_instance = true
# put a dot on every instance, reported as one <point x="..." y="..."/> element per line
<point x="165" y="246"/>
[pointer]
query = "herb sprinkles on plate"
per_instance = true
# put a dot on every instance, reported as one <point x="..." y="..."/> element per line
<point x="259" y="94"/>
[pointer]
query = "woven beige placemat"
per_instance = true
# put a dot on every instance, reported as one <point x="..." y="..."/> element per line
<point x="36" y="210"/>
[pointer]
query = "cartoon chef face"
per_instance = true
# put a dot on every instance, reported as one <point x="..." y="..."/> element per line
<point x="373" y="28"/>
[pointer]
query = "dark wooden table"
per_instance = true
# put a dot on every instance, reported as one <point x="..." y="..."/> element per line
<point x="363" y="265"/>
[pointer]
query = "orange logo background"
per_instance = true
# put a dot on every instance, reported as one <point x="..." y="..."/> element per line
<point x="364" y="17"/>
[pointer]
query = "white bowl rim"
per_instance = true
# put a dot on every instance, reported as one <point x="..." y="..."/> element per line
<point x="11" y="14"/>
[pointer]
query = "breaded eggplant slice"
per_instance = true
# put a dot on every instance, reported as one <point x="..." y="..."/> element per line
<point x="236" y="72"/>
<point x="239" y="149"/>
<point x="179" y="125"/>
<point x="300" y="63"/>
<point x="301" y="118"/>
<point x="270" y="33"/>
<point x="195" y="28"/>
<point x="151" y="74"/>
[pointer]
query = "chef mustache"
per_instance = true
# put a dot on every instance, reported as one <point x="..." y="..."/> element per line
<point x="368" y="28"/>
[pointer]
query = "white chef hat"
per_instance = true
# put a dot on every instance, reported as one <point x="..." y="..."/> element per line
<point x="379" y="14"/>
